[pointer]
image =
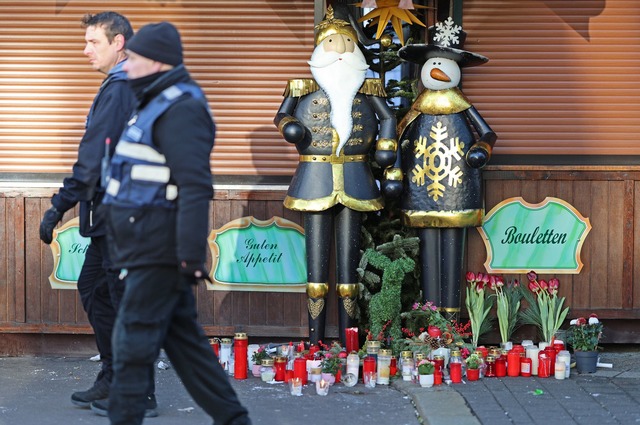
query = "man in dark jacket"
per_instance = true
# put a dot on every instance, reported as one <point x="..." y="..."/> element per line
<point x="158" y="197"/>
<point x="98" y="285"/>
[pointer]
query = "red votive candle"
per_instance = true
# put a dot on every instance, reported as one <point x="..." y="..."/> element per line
<point x="368" y="365"/>
<point x="525" y="366"/>
<point x="351" y="336"/>
<point x="501" y="367"/>
<point x="393" y="367"/>
<point x="437" y="377"/>
<point x="280" y="365"/>
<point x="544" y="365"/>
<point x="455" y="372"/>
<point x="240" y="346"/>
<point x="300" y="369"/>
<point x="513" y="363"/>
<point x="215" y="345"/>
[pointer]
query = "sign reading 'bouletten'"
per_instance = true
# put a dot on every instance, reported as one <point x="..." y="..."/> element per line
<point x="545" y="237"/>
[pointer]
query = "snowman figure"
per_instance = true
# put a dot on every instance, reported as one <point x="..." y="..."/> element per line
<point x="441" y="163"/>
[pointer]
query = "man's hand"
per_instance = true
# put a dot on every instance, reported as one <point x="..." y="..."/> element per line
<point x="49" y="221"/>
<point x="196" y="270"/>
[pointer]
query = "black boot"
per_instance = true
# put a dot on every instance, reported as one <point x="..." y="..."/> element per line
<point x="99" y="391"/>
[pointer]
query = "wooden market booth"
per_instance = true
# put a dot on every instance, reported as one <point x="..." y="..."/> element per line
<point x="561" y="91"/>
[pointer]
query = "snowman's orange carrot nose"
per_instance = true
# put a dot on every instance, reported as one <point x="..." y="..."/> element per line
<point x="437" y="74"/>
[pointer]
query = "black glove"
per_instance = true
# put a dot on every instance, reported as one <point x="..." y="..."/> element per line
<point x="392" y="189"/>
<point x="194" y="270"/>
<point x="293" y="132"/>
<point x="49" y="221"/>
<point x="477" y="157"/>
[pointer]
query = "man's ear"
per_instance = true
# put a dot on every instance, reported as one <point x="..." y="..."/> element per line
<point x="120" y="41"/>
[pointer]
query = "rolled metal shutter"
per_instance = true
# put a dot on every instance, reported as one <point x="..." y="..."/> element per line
<point x="241" y="52"/>
<point x="563" y="76"/>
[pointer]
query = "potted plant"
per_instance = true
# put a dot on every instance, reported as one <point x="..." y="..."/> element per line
<point x="331" y="364"/>
<point x="545" y="306"/>
<point x="507" y="306"/>
<point x="425" y="372"/>
<point x="256" y="359"/>
<point x="473" y="367"/>
<point x="584" y="335"/>
<point x="478" y="304"/>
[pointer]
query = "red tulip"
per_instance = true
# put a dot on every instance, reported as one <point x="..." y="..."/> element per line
<point x="471" y="277"/>
<point x="532" y="276"/>
<point x="543" y="285"/>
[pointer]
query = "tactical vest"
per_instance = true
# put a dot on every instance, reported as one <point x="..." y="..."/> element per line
<point x="139" y="176"/>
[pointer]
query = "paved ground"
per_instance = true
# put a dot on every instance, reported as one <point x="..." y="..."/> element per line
<point x="36" y="390"/>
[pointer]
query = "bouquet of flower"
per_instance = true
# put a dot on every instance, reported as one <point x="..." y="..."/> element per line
<point x="478" y="304"/>
<point x="508" y="304"/>
<point x="426" y="367"/>
<point x="584" y="334"/>
<point x="259" y="355"/>
<point x="545" y="307"/>
<point x="331" y="363"/>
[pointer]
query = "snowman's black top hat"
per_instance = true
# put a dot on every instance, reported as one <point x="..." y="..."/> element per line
<point x="446" y="41"/>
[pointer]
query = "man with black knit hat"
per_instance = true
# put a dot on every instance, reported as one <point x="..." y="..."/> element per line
<point x="158" y="198"/>
<point x="98" y="286"/>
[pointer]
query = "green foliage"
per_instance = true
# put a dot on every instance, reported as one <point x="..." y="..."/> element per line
<point x="331" y="364"/>
<point x="473" y="361"/>
<point x="584" y="336"/>
<point x="385" y="306"/>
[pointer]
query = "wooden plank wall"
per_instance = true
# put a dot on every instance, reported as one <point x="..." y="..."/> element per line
<point x="608" y="285"/>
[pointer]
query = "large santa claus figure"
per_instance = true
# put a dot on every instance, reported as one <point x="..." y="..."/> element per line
<point x="334" y="120"/>
<point x="441" y="162"/>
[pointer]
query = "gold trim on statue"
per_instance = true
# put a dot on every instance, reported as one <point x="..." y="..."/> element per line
<point x="386" y="145"/>
<point x="393" y="174"/>
<point x="317" y="290"/>
<point x="465" y="218"/>
<point x="347" y="290"/>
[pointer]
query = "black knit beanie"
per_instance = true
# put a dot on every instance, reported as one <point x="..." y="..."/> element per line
<point x="159" y="42"/>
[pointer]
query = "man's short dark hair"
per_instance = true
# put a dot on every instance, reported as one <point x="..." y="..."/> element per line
<point x="113" y="24"/>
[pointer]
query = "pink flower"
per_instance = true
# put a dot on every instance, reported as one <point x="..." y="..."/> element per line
<point x="485" y="278"/>
<point x="543" y="285"/>
<point x="480" y="286"/>
<point x="492" y="283"/>
<point x="532" y="276"/>
<point x="534" y="287"/>
<point x="499" y="281"/>
<point x="581" y="321"/>
<point x="471" y="277"/>
<point x="554" y="284"/>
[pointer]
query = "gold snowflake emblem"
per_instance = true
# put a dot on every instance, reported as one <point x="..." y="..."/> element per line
<point x="437" y="161"/>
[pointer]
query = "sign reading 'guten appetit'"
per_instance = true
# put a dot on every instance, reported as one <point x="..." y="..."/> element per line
<point x="545" y="237"/>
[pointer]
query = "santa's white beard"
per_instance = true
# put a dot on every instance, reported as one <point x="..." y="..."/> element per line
<point x="340" y="80"/>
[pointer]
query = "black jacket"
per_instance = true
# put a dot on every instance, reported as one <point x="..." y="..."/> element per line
<point x="146" y="236"/>
<point x="109" y="113"/>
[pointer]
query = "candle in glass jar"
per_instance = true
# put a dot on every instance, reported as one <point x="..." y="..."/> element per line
<point x="384" y="366"/>
<point x="455" y="372"/>
<point x="513" y="363"/>
<point x="525" y="367"/>
<point x="544" y="365"/>
<point x="240" y="354"/>
<point x="351" y="343"/>
<point x="353" y="364"/>
<point x="322" y="387"/>
<point x="280" y="365"/>
<point x="490" y="371"/>
<point x="501" y="367"/>
<point x="300" y="369"/>
<point x="295" y="385"/>
<point x="532" y="353"/>
<point x="559" y="370"/>
<point x="368" y="366"/>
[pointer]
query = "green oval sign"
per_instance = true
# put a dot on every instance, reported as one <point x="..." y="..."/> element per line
<point x="545" y="237"/>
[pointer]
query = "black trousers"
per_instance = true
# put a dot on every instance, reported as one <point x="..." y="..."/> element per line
<point x="157" y="311"/>
<point x="100" y="292"/>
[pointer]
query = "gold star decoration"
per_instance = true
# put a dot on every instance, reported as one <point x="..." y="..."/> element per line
<point x="392" y="11"/>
